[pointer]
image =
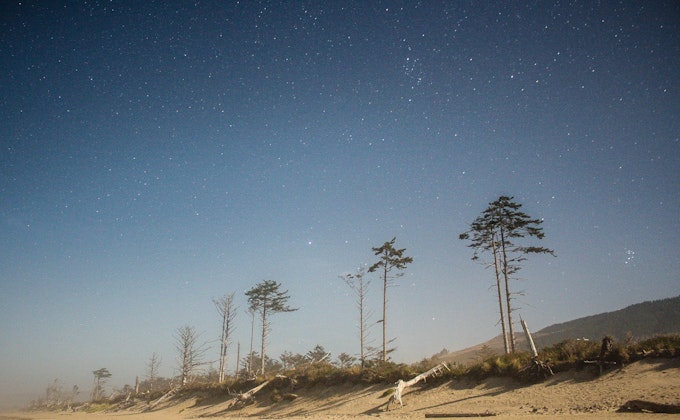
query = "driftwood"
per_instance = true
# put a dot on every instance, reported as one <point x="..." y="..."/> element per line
<point x="639" y="406"/>
<point x="449" y="415"/>
<point x="530" y="339"/>
<point x="165" y="396"/>
<point x="536" y="370"/>
<point x="246" y="398"/>
<point x="401" y="384"/>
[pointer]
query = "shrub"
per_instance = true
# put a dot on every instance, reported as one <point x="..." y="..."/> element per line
<point x="570" y="353"/>
<point x="659" y="346"/>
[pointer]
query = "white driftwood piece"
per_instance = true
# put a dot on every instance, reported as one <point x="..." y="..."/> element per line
<point x="401" y="384"/>
<point x="530" y="339"/>
<point x="165" y="396"/>
<point x="243" y="399"/>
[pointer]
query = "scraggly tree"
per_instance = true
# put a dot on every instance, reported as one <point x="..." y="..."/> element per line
<point x="391" y="259"/>
<point x="359" y="285"/>
<point x="100" y="376"/>
<point x="152" y="369"/>
<point x="227" y="310"/>
<point x="190" y="353"/>
<point x="267" y="298"/>
<point x="494" y="231"/>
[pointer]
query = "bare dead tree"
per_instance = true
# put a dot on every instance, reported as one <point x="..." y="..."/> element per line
<point x="227" y="310"/>
<point x="190" y="353"/>
<point x="359" y="285"/>
<point x="152" y="369"/>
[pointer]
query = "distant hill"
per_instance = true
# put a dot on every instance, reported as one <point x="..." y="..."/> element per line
<point x="641" y="320"/>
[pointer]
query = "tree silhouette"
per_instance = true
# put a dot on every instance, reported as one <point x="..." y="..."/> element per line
<point x="390" y="258"/>
<point x="494" y="231"/>
<point x="267" y="298"/>
<point x="100" y="376"/>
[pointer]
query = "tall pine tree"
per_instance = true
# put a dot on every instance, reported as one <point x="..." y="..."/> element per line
<point x="495" y="231"/>
<point x="390" y="258"/>
<point x="267" y="298"/>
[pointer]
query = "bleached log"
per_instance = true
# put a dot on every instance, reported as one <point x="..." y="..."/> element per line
<point x="244" y="398"/>
<point x="165" y="396"/>
<point x="401" y="384"/>
<point x="530" y="339"/>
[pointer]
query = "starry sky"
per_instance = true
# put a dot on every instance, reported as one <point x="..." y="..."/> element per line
<point x="156" y="155"/>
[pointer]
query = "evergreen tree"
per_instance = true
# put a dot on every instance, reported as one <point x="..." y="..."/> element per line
<point x="267" y="298"/>
<point x="390" y="258"/>
<point x="494" y="231"/>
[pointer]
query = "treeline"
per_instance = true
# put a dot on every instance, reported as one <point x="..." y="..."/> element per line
<point x="498" y="233"/>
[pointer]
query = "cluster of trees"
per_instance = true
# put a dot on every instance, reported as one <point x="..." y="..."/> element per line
<point x="266" y="299"/>
<point x="390" y="265"/>
<point x="497" y="232"/>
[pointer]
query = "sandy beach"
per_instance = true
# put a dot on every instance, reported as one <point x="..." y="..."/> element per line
<point x="571" y="394"/>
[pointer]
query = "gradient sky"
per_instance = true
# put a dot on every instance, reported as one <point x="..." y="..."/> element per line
<point x="155" y="155"/>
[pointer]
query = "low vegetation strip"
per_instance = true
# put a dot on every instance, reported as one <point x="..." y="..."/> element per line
<point x="567" y="355"/>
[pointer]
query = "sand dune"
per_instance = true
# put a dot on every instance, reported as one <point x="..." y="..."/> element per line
<point x="566" y="395"/>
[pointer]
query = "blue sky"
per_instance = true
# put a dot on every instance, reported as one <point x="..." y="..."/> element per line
<point x="155" y="156"/>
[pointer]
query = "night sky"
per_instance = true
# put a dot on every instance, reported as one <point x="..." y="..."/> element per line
<point x="155" y="155"/>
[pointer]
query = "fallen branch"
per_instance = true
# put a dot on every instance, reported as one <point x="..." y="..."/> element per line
<point x="401" y="384"/>
<point x="445" y="415"/>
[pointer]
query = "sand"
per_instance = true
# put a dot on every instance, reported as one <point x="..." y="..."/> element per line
<point x="576" y="394"/>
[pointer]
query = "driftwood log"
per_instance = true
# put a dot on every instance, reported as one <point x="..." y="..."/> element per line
<point x="165" y="396"/>
<point x="536" y="370"/>
<point x="401" y="384"/>
<point x="243" y="399"/>
<point x="640" y="406"/>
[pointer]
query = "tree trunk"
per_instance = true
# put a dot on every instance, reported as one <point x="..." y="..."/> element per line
<point x="361" y="329"/>
<point x="252" y="334"/>
<point x="511" y="330"/>
<point x="223" y="346"/>
<point x="238" y="358"/>
<point x="264" y="335"/>
<point x="384" y="317"/>
<point x="506" y="345"/>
